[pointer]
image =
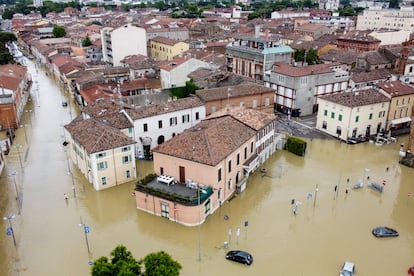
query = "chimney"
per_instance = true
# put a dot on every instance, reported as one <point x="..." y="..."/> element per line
<point x="257" y="31"/>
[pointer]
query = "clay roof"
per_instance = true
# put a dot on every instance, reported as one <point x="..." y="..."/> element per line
<point x="345" y="57"/>
<point x="250" y="117"/>
<point x="109" y="111"/>
<point x="243" y="89"/>
<point x="396" y="88"/>
<point x="208" y="142"/>
<point x="95" y="136"/>
<point x="165" y="40"/>
<point x="379" y="74"/>
<point x="289" y="70"/>
<point x="163" y="108"/>
<point x="357" y="98"/>
<point x="12" y="75"/>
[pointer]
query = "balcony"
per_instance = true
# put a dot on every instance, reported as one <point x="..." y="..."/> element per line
<point x="178" y="192"/>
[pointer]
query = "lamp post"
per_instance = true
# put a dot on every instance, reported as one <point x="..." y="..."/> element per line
<point x="363" y="177"/>
<point x="316" y="193"/>
<point x="17" y="192"/>
<point x="199" y="221"/>
<point x="69" y="169"/>
<point x="18" y="153"/>
<point x="25" y="134"/>
<point x="10" y="230"/>
<point x="86" y="230"/>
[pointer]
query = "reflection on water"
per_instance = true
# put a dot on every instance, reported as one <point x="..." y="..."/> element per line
<point x="314" y="242"/>
<point x="329" y="227"/>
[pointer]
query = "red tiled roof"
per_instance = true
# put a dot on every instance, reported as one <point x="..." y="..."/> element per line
<point x="357" y="98"/>
<point x="396" y="88"/>
<point x="208" y="142"/>
<point x="96" y="136"/>
<point x="289" y="70"/>
<point x="243" y="89"/>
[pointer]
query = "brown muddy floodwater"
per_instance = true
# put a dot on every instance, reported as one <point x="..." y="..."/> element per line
<point x="326" y="231"/>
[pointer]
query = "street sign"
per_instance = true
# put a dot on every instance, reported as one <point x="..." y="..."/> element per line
<point x="9" y="231"/>
<point x="90" y="263"/>
<point x="246" y="223"/>
<point x="87" y="229"/>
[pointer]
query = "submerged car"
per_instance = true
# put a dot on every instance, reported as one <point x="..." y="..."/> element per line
<point x="384" y="231"/>
<point x="348" y="269"/>
<point x="411" y="271"/>
<point x="375" y="186"/>
<point x="240" y="257"/>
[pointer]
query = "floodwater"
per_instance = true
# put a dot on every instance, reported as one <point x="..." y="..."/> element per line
<point x="329" y="227"/>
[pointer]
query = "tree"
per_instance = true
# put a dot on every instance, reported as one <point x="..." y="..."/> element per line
<point x="7" y="14"/>
<point x="161" y="263"/>
<point x="86" y="42"/>
<point x="312" y="56"/>
<point x="59" y="31"/>
<point x="394" y="4"/>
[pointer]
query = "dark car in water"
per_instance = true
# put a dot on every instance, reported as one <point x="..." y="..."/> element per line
<point x="384" y="231"/>
<point x="240" y="257"/>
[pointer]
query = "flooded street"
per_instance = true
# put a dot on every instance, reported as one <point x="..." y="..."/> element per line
<point x="329" y="227"/>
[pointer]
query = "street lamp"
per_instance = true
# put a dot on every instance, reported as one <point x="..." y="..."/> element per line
<point x="316" y="193"/>
<point x="199" y="221"/>
<point x="25" y="134"/>
<point x="65" y="144"/>
<point x="86" y="230"/>
<point x="10" y="230"/>
<point x="363" y="178"/>
<point x="19" y="205"/>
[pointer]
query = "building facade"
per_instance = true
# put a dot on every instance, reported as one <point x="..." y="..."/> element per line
<point x="246" y="94"/>
<point x="297" y="88"/>
<point x="376" y="18"/>
<point x="207" y="162"/>
<point x="103" y="154"/>
<point x="163" y="48"/>
<point x="350" y="116"/>
<point x="401" y="98"/>
<point x="121" y="42"/>
<point x="251" y="56"/>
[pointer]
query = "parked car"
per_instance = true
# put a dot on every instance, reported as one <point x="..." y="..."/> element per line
<point x="348" y="269"/>
<point x="411" y="271"/>
<point x="376" y="186"/>
<point x="383" y="231"/>
<point x="240" y="257"/>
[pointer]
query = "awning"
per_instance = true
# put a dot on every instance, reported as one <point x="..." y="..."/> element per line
<point x="400" y="121"/>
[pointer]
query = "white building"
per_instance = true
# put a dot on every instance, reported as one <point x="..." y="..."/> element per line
<point x="289" y="14"/>
<point x="391" y="37"/>
<point x="330" y="5"/>
<point x="174" y="73"/>
<point x="121" y="42"/>
<point x="376" y="18"/>
<point x="155" y="124"/>
<point x="352" y="115"/>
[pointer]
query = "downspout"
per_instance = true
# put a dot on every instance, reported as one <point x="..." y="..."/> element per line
<point x="116" y="177"/>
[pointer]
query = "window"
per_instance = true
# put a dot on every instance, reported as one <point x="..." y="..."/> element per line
<point x="145" y="127"/>
<point x="245" y="153"/>
<point x="160" y="124"/>
<point x="238" y="158"/>
<point x="340" y="117"/>
<point x="356" y="119"/>
<point x="173" y="121"/>
<point x="100" y="155"/>
<point x="241" y="103"/>
<point x="370" y="116"/>
<point x="325" y="112"/>
<point x="130" y="130"/>
<point x="219" y="175"/>
<point x="251" y="147"/>
<point x="229" y="165"/>
<point x="102" y="166"/>
<point x="124" y="149"/>
<point x="186" y="118"/>
<point x="128" y="174"/>
<point x="197" y="115"/>
<point x="333" y="115"/>
<point x="126" y="159"/>
<point x="254" y="103"/>
<point x="103" y="180"/>
<point x="164" y="210"/>
<point x="213" y="109"/>
<point x="161" y="171"/>
<point x="324" y="124"/>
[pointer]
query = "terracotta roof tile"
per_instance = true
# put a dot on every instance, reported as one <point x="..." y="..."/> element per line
<point x="208" y="142"/>
<point x="163" y="108"/>
<point x="289" y="70"/>
<point x="96" y="136"/>
<point x="243" y="89"/>
<point x="396" y="88"/>
<point x="357" y="98"/>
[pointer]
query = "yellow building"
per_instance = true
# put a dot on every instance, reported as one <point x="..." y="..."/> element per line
<point x="399" y="114"/>
<point x="163" y="48"/>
